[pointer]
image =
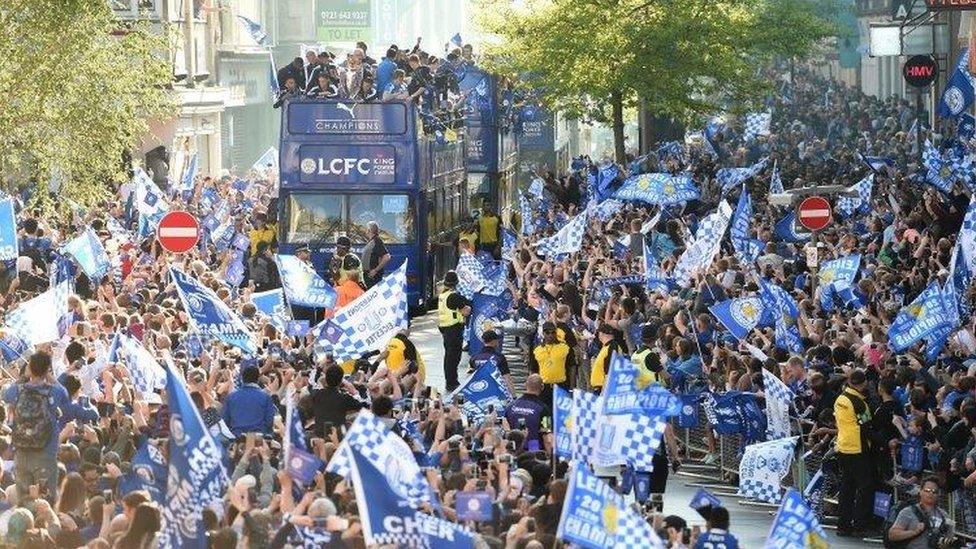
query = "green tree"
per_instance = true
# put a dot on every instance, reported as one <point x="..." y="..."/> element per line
<point x="683" y="59"/>
<point x="77" y="90"/>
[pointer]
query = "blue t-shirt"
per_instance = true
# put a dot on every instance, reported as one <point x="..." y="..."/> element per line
<point x="716" y="539"/>
<point x="58" y="401"/>
<point x="384" y="73"/>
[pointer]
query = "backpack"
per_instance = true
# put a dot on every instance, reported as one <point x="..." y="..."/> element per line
<point x="890" y="520"/>
<point x="33" y="418"/>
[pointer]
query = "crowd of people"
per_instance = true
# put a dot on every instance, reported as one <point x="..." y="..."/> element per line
<point x="86" y="443"/>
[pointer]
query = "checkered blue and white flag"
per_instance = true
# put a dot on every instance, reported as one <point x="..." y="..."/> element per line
<point x="708" y="240"/>
<point x="470" y="276"/>
<point x="778" y="399"/>
<point x="763" y="467"/>
<point x="730" y="178"/>
<point x="146" y="373"/>
<point x="963" y="265"/>
<point x="369" y="322"/>
<point x="386" y="451"/>
<point x="567" y="240"/>
<point x="757" y="124"/>
<point x="630" y="439"/>
<point x="848" y="206"/>
<point x="587" y="408"/>
<point x="775" y="181"/>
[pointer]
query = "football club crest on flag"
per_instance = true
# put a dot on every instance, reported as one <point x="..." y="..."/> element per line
<point x="272" y="304"/>
<point x="209" y="315"/>
<point x="786" y="229"/>
<point x="739" y="315"/>
<point x="927" y="314"/>
<point x="303" y="286"/>
<point x="370" y="321"/>
<point x="703" y="498"/>
<point x="595" y="516"/>
<point x="763" y="466"/>
<point x="484" y="389"/>
<point x="630" y="390"/>
<point x="658" y="188"/>
<point x="486" y="312"/>
<point x="959" y="90"/>
<point x="796" y="526"/>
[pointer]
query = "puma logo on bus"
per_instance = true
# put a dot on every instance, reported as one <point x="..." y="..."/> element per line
<point x="347" y="108"/>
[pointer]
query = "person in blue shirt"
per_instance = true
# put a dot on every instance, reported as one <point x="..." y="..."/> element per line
<point x="716" y="535"/>
<point x="397" y="88"/>
<point x="35" y="439"/>
<point x="386" y="68"/>
<point x="490" y="352"/>
<point x="249" y="409"/>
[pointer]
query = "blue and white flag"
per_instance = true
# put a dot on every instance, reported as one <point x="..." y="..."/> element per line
<point x="486" y="312"/>
<point x="562" y="421"/>
<point x="848" y="206"/>
<point x="927" y="314"/>
<point x="757" y="124"/>
<point x="602" y="181"/>
<point x="796" y="526"/>
<point x="369" y="322"/>
<point x="33" y="321"/>
<point x="470" y="272"/>
<point x="300" y="463"/>
<point x="778" y="400"/>
<point x="303" y="286"/>
<point x="509" y="241"/>
<point x="525" y="213"/>
<point x="703" y="498"/>
<point x="273" y="75"/>
<point x="389" y="453"/>
<point x="587" y="408"/>
<point x="878" y="164"/>
<point x="389" y="519"/>
<point x="654" y="278"/>
<point x="763" y="466"/>
<point x="88" y="251"/>
<point x="12" y="348"/>
<point x="781" y="306"/>
<point x="963" y="264"/>
<point x="628" y="439"/>
<point x="456" y="39"/>
<point x="254" y="30"/>
<point x="958" y="95"/>
<point x="944" y="169"/>
<point x="485" y="388"/>
<point x="629" y="390"/>
<point x="272" y="303"/>
<point x="729" y="178"/>
<point x="836" y="275"/>
<point x="148" y="473"/>
<point x="746" y="248"/>
<point x="62" y="281"/>
<point x="209" y="315"/>
<point x="267" y="161"/>
<point x="658" y="188"/>
<point x="9" y="250"/>
<point x="197" y="479"/>
<point x="965" y="127"/>
<point x="775" y="181"/>
<point x="595" y="516"/>
<point x="739" y="315"/>
<point x="187" y="181"/>
<point x="605" y="210"/>
<point x="708" y="240"/>
<point x="150" y="200"/>
<point x="786" y="229"/>
<point x="146" y="373"/>
<point x="567" y="240"/>
<point x="537" y="186"/>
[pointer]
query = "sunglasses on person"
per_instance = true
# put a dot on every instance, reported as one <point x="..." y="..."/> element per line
<point x="931" y="490"/>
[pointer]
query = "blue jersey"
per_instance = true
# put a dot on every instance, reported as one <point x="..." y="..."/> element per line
<point x="716" y="539"/>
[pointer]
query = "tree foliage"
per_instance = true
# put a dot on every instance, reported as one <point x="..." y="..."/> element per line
<point x="77" y="89"/>
<point x="684" y="58"/>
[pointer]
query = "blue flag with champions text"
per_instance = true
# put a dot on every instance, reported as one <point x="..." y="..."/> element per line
<point x="796" y="525"/>
<point x="209" y="315"/>
<point x="197" y="478"/>
<point x="629" y="390"/>
<point x="928" y="313"/>
<point x="388" y="519"/>
<point x="595" y="516"/>
<point x="836" y="275"/>
<point x="303" y="286"/>
<point x="658" y="188"/>
<point x="8" y="231"/>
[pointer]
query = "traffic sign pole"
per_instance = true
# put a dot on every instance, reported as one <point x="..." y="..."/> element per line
<point x="815" y="214"/>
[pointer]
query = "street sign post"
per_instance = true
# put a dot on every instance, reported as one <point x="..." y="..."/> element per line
<point x="178" y="232"/>
<point x="814" y="213"/>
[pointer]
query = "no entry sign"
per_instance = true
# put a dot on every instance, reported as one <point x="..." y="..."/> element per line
<point x="178" y="232"/>
<point x="814" y="213"/>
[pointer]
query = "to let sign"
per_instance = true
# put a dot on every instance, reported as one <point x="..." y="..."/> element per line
<point x="920" y="71"/>
<point x="947" y="5"/>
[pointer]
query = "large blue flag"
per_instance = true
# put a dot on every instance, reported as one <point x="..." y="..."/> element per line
<point x="87" y="249"/>
<point x="795" y="526"/>
<point x="658" y="188"/>
<point x="944" y="169"/>
<point x="629" y="390"/>
<point x="8" y="231"/>
<point x="848" y="206"/>
<point x="739" y="315"/>
<point x="958" y="95"/>
<point x="485" y="388"/>
<point x="603" y="180"/>
<point x="730" y="178"/>
<point x="963" y="264"/>
<point x="927" y="314"/>
<point x="148" y="473"/>
<point x="486" y="312"/>
<point x="303" y="286"/>
<point x="196" y="478"/>
<point x="209" y="315"/>
<point x="595" y="516"/>
<point x="746" y="248"/>
<point x="835" y="276"/>
<point x="388" y="519"/>
<point x="786" y="229"/>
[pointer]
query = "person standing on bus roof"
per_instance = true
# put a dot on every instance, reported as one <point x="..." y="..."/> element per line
<point x="335" y="264"/>
<point x="489" y="232"/>
<point x="386" y="69"/>
<point x="374" y="257"/>
<point x="452" y="308"/>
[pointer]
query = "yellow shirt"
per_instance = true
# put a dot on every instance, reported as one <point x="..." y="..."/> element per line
<point x="471" y="237"/>
<point x="348" y="367"/>
<point x="848" y="426"/>
<point x="395" y="358"/>
<point x="552" y="362"/>
<point x="488" y="229"/>
<point x="257" y="236"/>
<point x="597" y="376"/>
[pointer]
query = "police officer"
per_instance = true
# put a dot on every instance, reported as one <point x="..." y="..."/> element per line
<point x="452" y="308"/>
<point x="648" y="361"/>
<point x="335" y="264"/>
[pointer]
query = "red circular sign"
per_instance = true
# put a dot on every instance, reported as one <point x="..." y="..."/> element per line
<point x="814" y="213"/>
<point x="178" y="232"/>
